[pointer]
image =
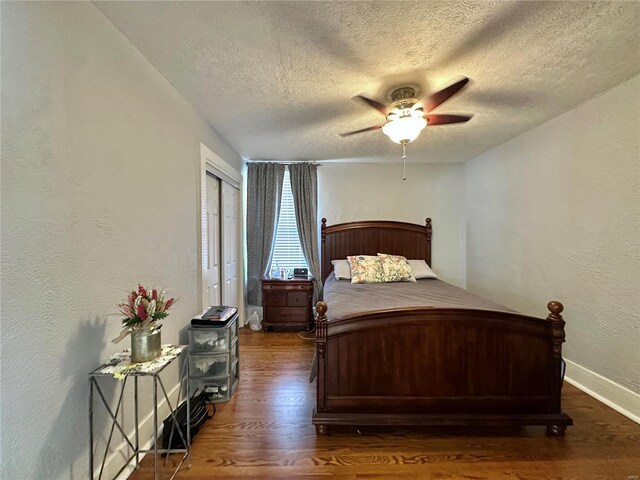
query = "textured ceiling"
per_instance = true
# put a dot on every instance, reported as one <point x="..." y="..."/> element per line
<point x="276" y="78"/>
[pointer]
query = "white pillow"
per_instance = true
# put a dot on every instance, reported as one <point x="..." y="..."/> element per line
<point x="341" y="269"/>
<point x="420" y="269"/>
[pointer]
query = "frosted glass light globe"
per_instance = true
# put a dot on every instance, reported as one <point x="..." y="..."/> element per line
<point x="404" y="129"/>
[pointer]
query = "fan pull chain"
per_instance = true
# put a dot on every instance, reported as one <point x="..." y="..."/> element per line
<point x="404" y="161"/>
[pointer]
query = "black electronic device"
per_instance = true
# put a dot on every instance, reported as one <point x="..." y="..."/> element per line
<point x="215" y="312"/>
<point x="300" y="272"/>
<point x="215" y="316"/>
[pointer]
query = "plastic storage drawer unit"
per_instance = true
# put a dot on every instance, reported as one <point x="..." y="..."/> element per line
<point x="209" y="340"/>
<point x="220" y="388"/>
<point x="209" y="365"/>
<point x="213" y="360"/>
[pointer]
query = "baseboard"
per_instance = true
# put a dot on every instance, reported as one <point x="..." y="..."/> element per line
<point x="616" y="396"/>
<point x="116" y="460"/>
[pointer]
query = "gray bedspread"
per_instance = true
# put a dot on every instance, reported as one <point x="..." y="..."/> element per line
<point x="345" y="298"/>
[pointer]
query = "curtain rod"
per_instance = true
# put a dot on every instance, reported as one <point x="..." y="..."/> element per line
<point x="318" y="164"/>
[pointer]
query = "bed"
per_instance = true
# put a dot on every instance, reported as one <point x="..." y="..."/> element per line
<point x="428" y="354"/>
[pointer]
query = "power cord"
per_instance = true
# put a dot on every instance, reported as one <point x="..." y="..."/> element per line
<point x="310" y="335"/>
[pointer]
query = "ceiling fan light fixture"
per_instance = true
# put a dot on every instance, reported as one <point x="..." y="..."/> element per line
<point x="405" y="129"/>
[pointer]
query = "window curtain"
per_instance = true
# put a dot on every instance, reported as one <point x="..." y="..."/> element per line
<point x="304" y="188"/>
<point x="264" y="193"/>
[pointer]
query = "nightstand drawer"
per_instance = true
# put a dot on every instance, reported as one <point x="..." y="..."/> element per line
<point x="286" y="315"/>
<point x="297" y="299"/>
<point x="275" y="299"/>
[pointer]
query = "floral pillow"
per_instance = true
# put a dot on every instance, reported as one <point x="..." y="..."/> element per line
<point x="395" y="268"/>
<point x="365" y="269"/>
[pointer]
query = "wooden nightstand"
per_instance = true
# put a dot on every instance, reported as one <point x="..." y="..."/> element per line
<point x="287" y="303"/>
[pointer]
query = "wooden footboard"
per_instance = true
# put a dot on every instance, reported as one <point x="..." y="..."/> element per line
<point x="434" y="366"/>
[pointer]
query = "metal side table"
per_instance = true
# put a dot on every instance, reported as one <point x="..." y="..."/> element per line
<point x="121" y="368"/>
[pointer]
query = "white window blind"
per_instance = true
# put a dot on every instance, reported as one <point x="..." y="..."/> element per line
<point x="287" y="252"/>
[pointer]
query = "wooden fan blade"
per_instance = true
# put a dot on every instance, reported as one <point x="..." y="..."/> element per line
<point x="368" y="129"/>
<point x="434" y="100"/>
<point x="381" y="107"/>
<point x="433" y="120"/>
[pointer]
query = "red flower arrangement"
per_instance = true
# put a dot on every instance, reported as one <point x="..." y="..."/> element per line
<point x="142" y="310"/>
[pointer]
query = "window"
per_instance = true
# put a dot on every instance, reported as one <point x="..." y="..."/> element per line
<point x="287" y="252"/>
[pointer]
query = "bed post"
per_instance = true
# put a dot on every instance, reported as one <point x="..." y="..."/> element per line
<point x="557" y="338"/>
<point x="429" y="230"/>
<point x="323" y="258"/>
<point x="321" y="339"/>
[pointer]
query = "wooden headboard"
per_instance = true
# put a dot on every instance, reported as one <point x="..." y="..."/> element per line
<point x="373" y="237"/>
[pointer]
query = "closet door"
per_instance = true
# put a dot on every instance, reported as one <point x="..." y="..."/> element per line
<point x="230" y="244"/>
<point x="213" y="243"/>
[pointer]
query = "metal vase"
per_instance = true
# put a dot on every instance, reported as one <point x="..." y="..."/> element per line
<point x="145" y="345"/>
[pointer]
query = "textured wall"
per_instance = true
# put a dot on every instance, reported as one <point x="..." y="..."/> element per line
<point x="555" y="214"/>
<point x="349" y="192"/>
<point x="100" y="168"/>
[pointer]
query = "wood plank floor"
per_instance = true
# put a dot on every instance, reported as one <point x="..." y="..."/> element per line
<point x="266" y="432"/>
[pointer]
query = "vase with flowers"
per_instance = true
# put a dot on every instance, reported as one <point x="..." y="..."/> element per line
<point x="143" y="309"/>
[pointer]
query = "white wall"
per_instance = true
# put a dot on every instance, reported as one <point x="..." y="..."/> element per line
<point x="351" y="192"/>
<point x="555" y="214"/>
<point x="100" y="172"/>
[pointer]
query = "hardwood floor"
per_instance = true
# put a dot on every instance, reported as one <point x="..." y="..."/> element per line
<point x="266" y="432"/>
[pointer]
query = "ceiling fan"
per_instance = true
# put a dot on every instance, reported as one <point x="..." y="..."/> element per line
<point x="407" y="116"/>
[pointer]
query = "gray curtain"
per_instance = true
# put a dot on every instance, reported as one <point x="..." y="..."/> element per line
<point x="304" y="188"/>
<point x="264" y="193"/>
